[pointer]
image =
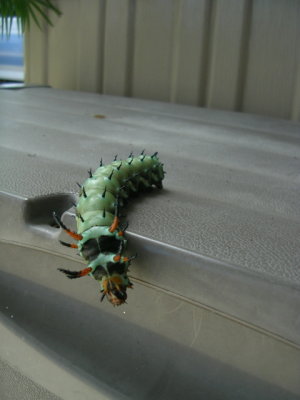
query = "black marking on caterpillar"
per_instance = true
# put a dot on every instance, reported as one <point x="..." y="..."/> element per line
<point x="100" y="236"/>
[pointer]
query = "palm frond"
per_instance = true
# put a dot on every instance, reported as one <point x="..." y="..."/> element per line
<point x="25" y="11"/>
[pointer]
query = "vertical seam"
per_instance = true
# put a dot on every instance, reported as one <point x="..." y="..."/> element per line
<point x="208" y="33"/>
<point x="175" y="51"/>
<point x="295" y="97"/>
<point x="130" y="48"/>
<point x="101" y="53"/>
<point x="244" y="56"/>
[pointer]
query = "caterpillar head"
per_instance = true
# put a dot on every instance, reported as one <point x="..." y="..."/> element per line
<point x="113" y="279"/>
<point x="114" y="289"/>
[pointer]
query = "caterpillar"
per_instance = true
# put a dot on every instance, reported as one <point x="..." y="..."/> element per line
<point x="100" y="234"/>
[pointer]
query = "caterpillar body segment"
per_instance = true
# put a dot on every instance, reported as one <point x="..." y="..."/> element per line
<point x="100" y="235"/>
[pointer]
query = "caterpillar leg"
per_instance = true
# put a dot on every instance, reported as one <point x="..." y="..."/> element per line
<point x="128" y="259"/>
<point x="116" y="220"/>
<point x="72" y="245"/>
<point x="74" y="235"/>
<point x="117" y="257"/>
<point x="122" y="228"/>
<point x="75" y="274"/>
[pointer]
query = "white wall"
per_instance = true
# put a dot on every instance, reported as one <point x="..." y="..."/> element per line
<point x="241" y="55"/>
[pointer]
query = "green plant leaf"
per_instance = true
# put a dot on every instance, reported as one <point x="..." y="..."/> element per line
<point x="25" y="11"/>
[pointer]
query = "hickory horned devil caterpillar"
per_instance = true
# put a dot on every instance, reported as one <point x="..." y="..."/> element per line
<point x="100" y="234"/>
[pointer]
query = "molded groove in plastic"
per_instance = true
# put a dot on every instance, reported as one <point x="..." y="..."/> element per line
<point x="39" y="210"/>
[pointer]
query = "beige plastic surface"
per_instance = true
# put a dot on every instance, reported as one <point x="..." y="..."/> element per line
<point x="215" y="308"/>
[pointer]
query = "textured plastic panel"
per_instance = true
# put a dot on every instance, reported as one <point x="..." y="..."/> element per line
<point x="217" y="278"/>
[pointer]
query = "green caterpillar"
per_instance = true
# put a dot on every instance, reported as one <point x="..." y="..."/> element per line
<point x="100" y="235"/>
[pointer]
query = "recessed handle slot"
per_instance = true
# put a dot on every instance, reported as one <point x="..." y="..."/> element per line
<point x="39" y="210"/>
